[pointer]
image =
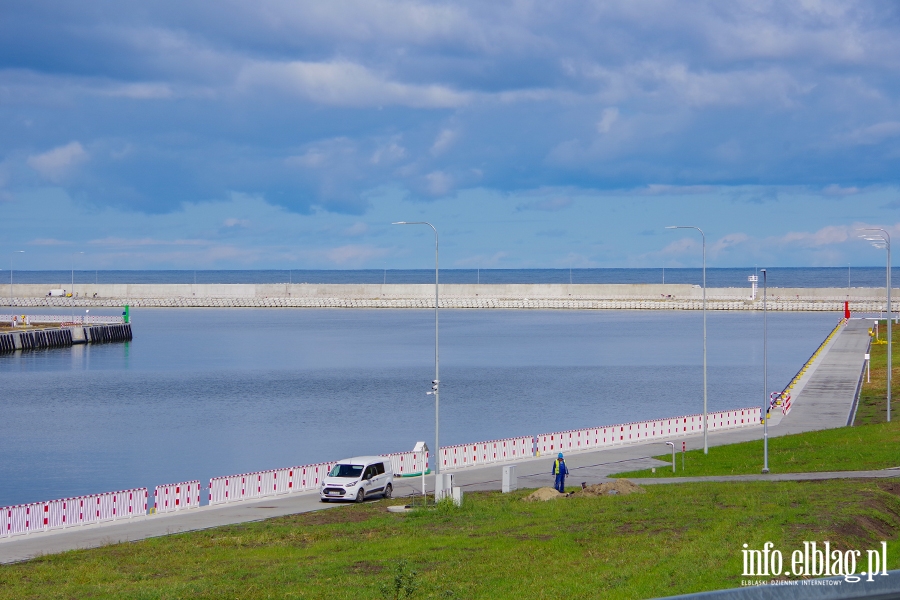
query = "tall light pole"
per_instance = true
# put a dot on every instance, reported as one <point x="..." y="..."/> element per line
<point x="435" y="385"/>
<point x="702" y="235"/>
<point x="10" y="275"/>
<point x="882" y="239"/>
<point x="766" y="402"/>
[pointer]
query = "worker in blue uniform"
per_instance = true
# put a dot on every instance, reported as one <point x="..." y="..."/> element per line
<point x="560" y="470"/>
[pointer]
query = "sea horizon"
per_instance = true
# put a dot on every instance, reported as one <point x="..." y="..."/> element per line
<point x="792" y="277"/>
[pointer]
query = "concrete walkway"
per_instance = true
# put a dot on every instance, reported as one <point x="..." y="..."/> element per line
<point x="825" y="396"/>
<point x="881" y="474"/>
<point x="822" y="400"/>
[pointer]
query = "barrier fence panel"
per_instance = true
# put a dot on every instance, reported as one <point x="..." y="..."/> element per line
<point x="105" y="508"/>
<point x="483" y="453"/>
<point x="408" y="464"/>
<point x="599" y="437"/>
<point x="72" y="319"/>
<point x="172" y="497"/>
<point x="308" y="477"/>
<point x="263" y="484"/>
<point x="68" y="512"/>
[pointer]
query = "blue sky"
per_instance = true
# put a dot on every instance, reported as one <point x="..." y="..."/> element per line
<point x="289" y="134"/>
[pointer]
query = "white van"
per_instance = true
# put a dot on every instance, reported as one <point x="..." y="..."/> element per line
<point x="358" y="478"/>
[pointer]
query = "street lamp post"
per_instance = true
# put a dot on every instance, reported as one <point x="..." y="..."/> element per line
<point x="766" y="402"/>
<point x="435" y="385"/>
<point x="882" y="239"/>
<point x="702" y="235"/>
<point x="11" y="275"/>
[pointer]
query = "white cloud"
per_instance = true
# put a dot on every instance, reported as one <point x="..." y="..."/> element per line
<point x="443" y="141"/>
<point x="681" y="246"/>
<point x="233" y="222"/>
<point x="438" y="183"/>
<point x="357" y="229"/>
<point x="728" y="241"/>
<point x="832" y="234"/>
<point x="874" y="134"/>
<point x="310" y="159"/>
<point x="47" y="242"/>
<point x="607" y="119"/>
<point x="388" y="153"/>
<point x="325" y="153"/>
<point x="673" y="84"/>
<point x="836" y="190"/>
<point x="55" y="164"/>
<point x="141" y="91"/>
<point x="656" y="189"/>
<point x="344" y="83"/>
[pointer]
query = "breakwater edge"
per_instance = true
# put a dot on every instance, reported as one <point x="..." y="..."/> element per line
<point x="462" y="296"/>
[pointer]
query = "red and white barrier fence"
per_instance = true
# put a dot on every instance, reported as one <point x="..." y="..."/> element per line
<point x="485" y="453"/>
<point x="786" y="404"/>
<point x="407" y="464"/>
<point x="172" y="497"/>
<point x="629" y="433"/>
<point x="263" y="484"/>
<point x="69" y="512"/>
<point x="70" y="319"/>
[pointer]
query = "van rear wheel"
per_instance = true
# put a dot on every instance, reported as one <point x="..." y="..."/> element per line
<point x="388" y="490"/>
<point x="360" y="495"/>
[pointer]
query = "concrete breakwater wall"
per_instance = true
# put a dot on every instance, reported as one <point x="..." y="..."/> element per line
<point x="536" y="296"/>
<point x="63" y="336"/>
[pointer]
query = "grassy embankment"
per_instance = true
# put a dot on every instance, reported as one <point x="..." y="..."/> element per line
<point x="871" y="443"/>
<point x="670" y="540"/>
<point x="872" y="405"/>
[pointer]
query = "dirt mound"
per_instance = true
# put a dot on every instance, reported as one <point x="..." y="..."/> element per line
<point x="542" y="495"/>
<point x="617" y="486"/>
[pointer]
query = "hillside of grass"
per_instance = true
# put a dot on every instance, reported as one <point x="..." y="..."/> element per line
<point x="861" y="448"/>
<point x="872" y="398"/>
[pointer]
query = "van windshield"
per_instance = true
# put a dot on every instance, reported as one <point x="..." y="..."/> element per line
<point x="346" y="471"/>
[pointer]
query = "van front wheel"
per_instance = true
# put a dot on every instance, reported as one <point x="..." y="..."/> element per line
<point x="388" y="490"/>
<point x="360" y="495"/>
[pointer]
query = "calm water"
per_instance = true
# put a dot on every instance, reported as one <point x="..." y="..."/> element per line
<point x="208" y="392"/>
<point x="802" y="277"/>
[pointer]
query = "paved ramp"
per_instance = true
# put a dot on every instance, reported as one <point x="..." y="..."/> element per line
<point x="826" y="398"/>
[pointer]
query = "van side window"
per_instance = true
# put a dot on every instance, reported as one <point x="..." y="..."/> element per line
<point x="370" y="472"/>
<point x="379" y="468"/>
